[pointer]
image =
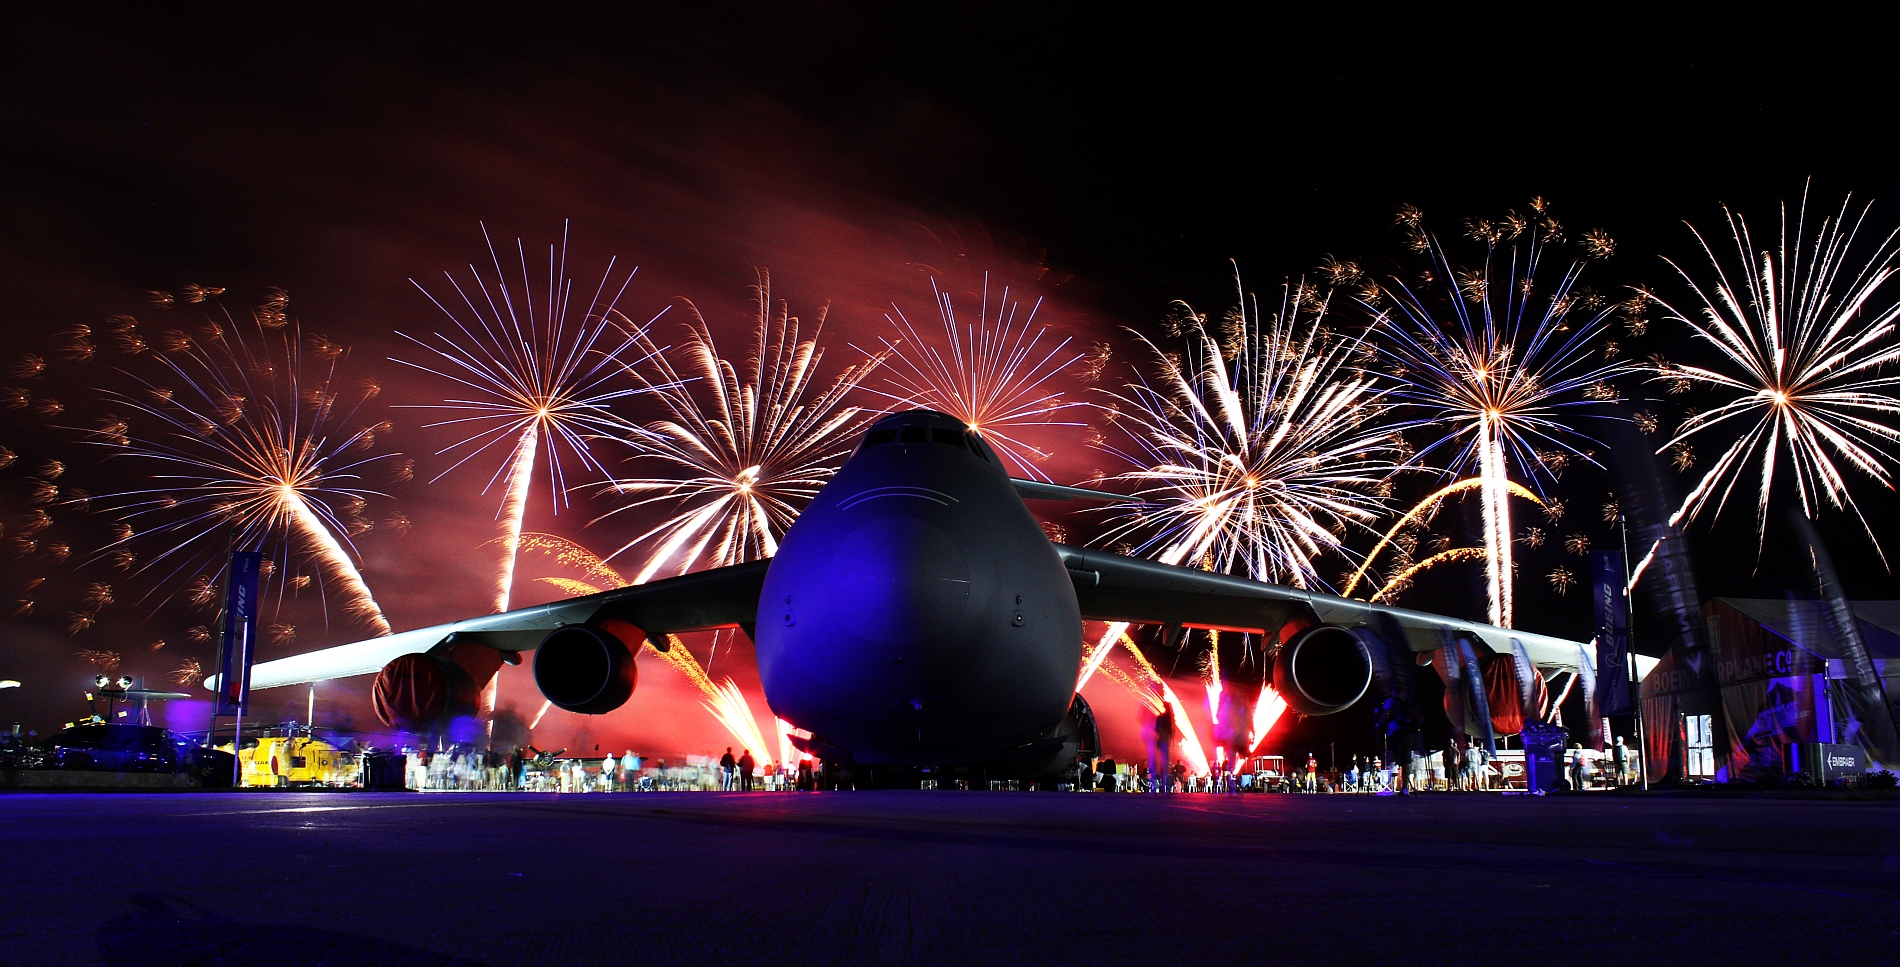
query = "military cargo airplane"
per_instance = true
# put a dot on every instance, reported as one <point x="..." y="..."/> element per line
<point x="917" y="614"/>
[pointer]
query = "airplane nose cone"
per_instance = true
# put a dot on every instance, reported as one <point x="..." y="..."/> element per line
<point x="899" y="581"/>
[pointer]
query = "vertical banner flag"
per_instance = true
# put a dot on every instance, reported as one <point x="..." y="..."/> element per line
<point x="1613" y="632"/>
<point x="238" y="646"/>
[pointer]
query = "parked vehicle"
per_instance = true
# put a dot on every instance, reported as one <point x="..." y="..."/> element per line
<point x="134" y="748"/>
<point x="18" y="752"/>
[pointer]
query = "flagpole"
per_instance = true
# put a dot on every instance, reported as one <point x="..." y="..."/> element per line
<point x="1629" y="660"/>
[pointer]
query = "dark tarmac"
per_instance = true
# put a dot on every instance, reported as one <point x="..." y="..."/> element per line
<point x="910" y="877"/>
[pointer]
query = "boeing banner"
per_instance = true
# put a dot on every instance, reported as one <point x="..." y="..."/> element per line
<point x="238" y="647"/>
<point x="1608" y="591"/>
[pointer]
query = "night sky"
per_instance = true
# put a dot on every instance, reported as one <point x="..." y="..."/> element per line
<point x="1106" y="159"/>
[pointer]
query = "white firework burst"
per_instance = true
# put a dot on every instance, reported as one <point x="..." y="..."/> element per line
<point x="996" y="375"/>
<point x="542" y="376"/>
<point x="1803" y="333"/>
<point x="1257" y="464"/>
<point x="1490" y="364"/>
<point x="741" y="454"/>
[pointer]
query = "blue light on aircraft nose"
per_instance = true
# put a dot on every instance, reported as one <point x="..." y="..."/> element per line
<point x="899" y="581"/>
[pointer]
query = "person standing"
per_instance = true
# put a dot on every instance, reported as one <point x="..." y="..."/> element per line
<point x="1622" y="762"/>
<point x="1312" y="773"/>
<point x="1164" y="744"/>
<point x="745" y="770"/>
<point x="726" y="765"/>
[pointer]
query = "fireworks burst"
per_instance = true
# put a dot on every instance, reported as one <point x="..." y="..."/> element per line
<point x="189" y="672"/>
<point x="542" y="378"/>
<point x="1561" y="580"/>
<point x="1258" y="464"/>
<point x="1492" y="361"/>
<point x="240" y="445"/>
<point x="995" y="375"/>
<point x="748" y="453"/>
<point x="102" y="660"/>
<point x="1802" y="345"/>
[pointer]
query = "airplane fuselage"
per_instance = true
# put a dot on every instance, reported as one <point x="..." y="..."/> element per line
<point x="916" y="612"/>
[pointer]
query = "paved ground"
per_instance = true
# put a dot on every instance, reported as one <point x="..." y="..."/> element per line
<point x="907" y="877"/>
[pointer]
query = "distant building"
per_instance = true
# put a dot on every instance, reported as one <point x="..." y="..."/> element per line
<point x="1772" y="672"/>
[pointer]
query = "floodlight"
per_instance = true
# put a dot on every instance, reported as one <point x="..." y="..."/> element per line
<point x="101" y="681"/>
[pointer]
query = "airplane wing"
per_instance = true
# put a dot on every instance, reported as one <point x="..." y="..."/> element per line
<point x="1111" y="587"/>
<point x="1038" y="490"/>
<point x="726" y="597"/>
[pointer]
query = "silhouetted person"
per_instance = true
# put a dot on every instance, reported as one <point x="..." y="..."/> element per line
<point x="1164" y="743"/>
<point x="726" y="765"/>
<point x="745" y="770"/>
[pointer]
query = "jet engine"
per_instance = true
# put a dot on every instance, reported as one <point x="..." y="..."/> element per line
<point x="414" y="692"/>
<point x="1326" y="668"/>
<point x="585" y="669"/>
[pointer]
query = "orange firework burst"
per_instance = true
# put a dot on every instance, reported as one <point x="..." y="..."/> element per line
<point x="243" y="438"/>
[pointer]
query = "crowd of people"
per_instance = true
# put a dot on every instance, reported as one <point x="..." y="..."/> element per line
<point x="470" y="769"/>
<point x="1461" y="766"/>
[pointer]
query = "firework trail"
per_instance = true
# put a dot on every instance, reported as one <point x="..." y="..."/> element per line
<point x="745" y="454"/>
<point x="1266" y="714"/>
<point x="1154" y="692"/>
<point x="1147" y="695"/>
<point x="724" y="701"/>
<point x="1403" y="580"/>
<point x="248" y="435"/>
<point x="730" y="708"/>
<point x="566" y="553"/>
<point x="994" y="375"/>
<point x="1420" y="514"/>
<point x="1803" y="346"/>
<point x="787" y="752"/>
<point x="1491" y="360"/>
<point x="1210" y="675"/>
<point x="1258" y="452"/>
<point x="542" y="374"/>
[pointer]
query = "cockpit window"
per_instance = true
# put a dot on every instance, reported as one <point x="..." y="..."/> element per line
<point x="913" y="434"/>
<point x="879" y="437"/>
<point x="976" y="447"/>
<point x="947" y="437"/>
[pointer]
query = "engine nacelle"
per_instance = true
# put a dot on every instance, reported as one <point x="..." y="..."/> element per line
<point x="415" y="692"/>
<point x="585" y="670"/>
<point x="1326" y="668"/>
